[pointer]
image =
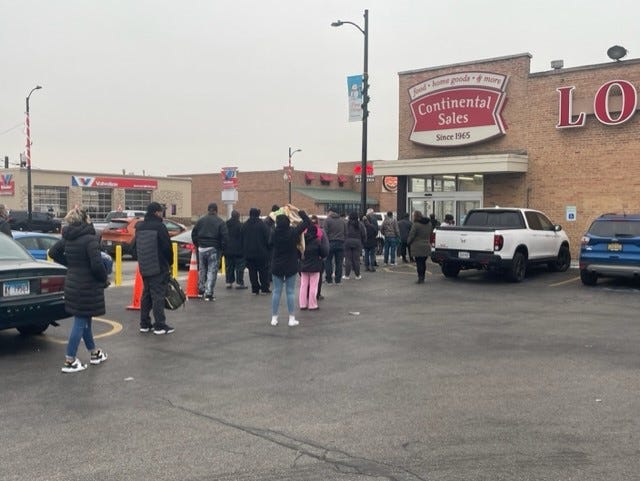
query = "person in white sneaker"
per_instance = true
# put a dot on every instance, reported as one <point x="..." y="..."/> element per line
<point x="284" y="263"/>
<point x="84" y="285"/>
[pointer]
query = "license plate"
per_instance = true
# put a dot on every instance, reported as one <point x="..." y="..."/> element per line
<point x="463" y="255"/>
<point x="614" y="246"/>
<point x="16" y="288"/>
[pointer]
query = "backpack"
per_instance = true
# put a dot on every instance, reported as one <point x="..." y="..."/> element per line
<point x="175" y="296"/>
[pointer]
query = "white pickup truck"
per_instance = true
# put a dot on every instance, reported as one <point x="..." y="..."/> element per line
<point x="504" y="240"/>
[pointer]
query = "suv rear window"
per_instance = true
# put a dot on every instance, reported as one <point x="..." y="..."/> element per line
<point x="118" y="224"/>
<point x="615" y="228"/>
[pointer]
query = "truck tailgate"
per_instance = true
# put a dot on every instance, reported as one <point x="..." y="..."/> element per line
<point x="465" y="239"/>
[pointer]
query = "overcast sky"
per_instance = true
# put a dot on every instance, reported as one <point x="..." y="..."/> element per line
<point x="196" y="85"/>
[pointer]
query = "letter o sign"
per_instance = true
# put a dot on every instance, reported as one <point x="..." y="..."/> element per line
<point x="629" y="102"/>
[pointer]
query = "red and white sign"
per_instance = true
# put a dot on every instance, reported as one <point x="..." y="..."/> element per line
<point x="7" y="184"/>
<point x="229" y="177"/>
<point x="390" y="183"/>
<point x="458" y="109"/>
<point x="603" y="105"/>
<point x="114" y="182"/>
<point x="357" y="173"/>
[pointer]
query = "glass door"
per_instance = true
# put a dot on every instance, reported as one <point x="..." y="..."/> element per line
<point x="456" y="203"/>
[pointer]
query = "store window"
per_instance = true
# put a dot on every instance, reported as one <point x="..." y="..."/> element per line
<point x="97" y="202"/>
<point x="51" y="199"/>
<point x="136" y="199"/>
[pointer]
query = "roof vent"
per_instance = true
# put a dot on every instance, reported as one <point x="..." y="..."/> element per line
<point x="557" y="64"/>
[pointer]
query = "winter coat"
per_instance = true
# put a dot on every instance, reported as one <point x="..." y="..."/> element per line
<point x="335" y="227"/>
<point x="420" y="238"/>
<point x="86" y="274"/>
<point x="390" y="227"/>
<point x="210" y="231"/>
<point x="255" y="239"/>
<point x="315" y="250"/>
<point x="234" y="247"/>
<point x="284" y="261"/>
<point x="153" y="246"/>
<point x="5" y="228"/>
<point x="372" y="233"/>
<point x="404" y="226"/>
<point x="356" y="235"/>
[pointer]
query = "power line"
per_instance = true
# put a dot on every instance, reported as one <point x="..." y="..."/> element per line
<point x="21" y="124"/>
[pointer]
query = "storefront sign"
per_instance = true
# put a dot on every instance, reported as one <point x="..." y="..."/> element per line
<point x="458" y="109"/>
<point x="113" y="182"/>
<point x="357" y="173"/>
<point x="7" y="185"/>
<point x="603" y="105"/>
<point x="390" y="183"/>
<point x="229" y="177"/>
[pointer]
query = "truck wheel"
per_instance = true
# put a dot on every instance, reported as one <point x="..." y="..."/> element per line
<point x="450" y="269"/>
<point x="588" y="278"/>
<point x="518" y="267"/>
<point x="562" y="263"/>
<point x="32" y="329"/>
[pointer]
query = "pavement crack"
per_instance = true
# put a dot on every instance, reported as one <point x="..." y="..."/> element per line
<point x="341" y="461"/>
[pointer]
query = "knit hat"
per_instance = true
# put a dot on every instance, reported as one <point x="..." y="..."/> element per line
<point x="154" y="207"/>
<point x="254" y="212"/>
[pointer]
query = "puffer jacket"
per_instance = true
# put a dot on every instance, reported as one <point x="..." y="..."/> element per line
<point x="86" y="274"/>
<point x="255" y="239"/>
<point x="315" y="250"/>
<point x="420" y="238"/>
<point x="153" y="246"/>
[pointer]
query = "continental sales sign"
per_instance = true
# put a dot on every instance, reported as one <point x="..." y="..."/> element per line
<point x="458" y="109"/>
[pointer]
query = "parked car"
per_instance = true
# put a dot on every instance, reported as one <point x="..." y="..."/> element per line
<point x="31" y="291"/>
<point x="611" y="248"/>
<point x="121" y="231"/>
<point x="40" y="221"/>
<point x="185" y="248"/>
<point x="100" y="225"/>
<point x="37" y="243"/>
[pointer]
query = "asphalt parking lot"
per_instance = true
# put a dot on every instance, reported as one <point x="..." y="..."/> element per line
<point x="467" y="379"/>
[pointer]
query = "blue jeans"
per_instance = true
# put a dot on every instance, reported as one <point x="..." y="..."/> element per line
<point x="290" y="286"/>
<point x="370" y="257"/>
<point x="81" y="330"/>
<point x="390" y="247"/>
<point x="207" y="270"/>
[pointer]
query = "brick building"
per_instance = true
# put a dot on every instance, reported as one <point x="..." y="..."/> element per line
<point x="490" y="132"/>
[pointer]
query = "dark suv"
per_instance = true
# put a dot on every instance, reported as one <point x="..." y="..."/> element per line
<point x="611" y="248"/>
<point x="40" y="221"/>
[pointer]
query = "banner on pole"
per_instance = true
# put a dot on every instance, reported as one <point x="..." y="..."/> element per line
<point x="354" y="87"/>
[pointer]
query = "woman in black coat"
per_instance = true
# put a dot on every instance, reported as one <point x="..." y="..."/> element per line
<point x="311" y="265"/>
<point x="284" y="264"/>
<point x="84" y="285"/>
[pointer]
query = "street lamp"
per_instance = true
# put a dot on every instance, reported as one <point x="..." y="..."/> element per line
<point x="289" y="169"/>
<point x="28" y="159"/>
<point x="365" y="105"/>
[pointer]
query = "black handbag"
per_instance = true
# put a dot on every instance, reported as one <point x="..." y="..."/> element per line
<point x="175" y="296"/>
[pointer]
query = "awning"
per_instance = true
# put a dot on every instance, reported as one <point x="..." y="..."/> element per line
<point x="308" y="176"/>
<point x="463" y="164"/>
<point x="326" y="178"/>
<point x="333" y="196"/>
<point x="342" y="179"/>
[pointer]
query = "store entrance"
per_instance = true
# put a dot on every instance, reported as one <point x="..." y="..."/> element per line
<point x="441" y="203"/>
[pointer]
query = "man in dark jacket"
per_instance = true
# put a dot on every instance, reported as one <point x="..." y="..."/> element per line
<point x="404" y="226"/>
<point x="336" y="229"/>
<point x="210" y="237"/>
<point x="233" y="255"/>
<point x="153" y="249"/>
<point x="256" y="247"/>
<point x="5" y="228"/>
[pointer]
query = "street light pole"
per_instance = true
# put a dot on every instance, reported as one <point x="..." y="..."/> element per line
<point x="28" y="159"/>
<point x="365" y="106"/>
<point x="289" y="171"/>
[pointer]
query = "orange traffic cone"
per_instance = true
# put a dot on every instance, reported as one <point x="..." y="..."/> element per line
<point x="192" y="278"/>
<point x="137" y="291"/>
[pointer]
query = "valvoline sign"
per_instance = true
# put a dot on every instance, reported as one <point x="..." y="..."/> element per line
<point x="458" y="109"/>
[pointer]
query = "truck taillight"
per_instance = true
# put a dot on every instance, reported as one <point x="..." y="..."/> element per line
<point x="51" y="284"/>
<point x="498" y="242"/>
<point x="432" y="239"/>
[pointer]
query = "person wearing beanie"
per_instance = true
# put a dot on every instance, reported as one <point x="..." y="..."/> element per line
<point x="284" y="264"/>
<point x="234" y="258"/>
<point x="5" y="228"/>
<point x="83" y="286"/>
<point x="210" y="236"/>
<point x="255" y="248"/>
<point x="152" y="246"/>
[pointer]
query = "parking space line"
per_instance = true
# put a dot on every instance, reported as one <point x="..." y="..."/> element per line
<point x="116" y="327"/>
<point x="573" y="279"/>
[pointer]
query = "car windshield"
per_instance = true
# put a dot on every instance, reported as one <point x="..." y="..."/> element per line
<point x="183" y="237"/>
<point x="495" y="219"/>
<point x="11" y="250"/>
<point x="615" y="228"/>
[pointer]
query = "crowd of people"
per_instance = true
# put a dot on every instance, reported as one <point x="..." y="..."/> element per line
<point x="287" y="245"/>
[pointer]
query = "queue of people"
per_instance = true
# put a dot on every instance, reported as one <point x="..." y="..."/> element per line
<point x="275" y="253"/>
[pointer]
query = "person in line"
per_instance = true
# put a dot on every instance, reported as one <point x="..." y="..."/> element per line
<point x="233" y="255"/>
<point x="435" y="222"/>
<point x="5" y="228"/>
<point x="270" y="221"/>
<point x="83" y="286"/>
<point x="371" y="215"/>
<point x="311" y="266"/>
<point x="256" y="236"/>
<point x="336" y="230"/>
<point x="284" y="264"/>
<point x="370" y="244"/>
<point x="404" y="225"/>
<point x="420" y="242"/>
<point x="353" y="244"/>
<point x="448" y="220"/>
<point x="324" y="241"/>
<point x="210" y="237"/>
<point x="152" y="246"/>
<point x="391" y="234"/>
